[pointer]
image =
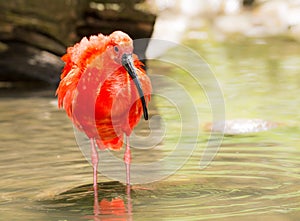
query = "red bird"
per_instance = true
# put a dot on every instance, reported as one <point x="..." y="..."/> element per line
<point x="104" y="90"/>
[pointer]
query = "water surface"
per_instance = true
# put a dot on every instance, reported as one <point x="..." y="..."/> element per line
<point x="44" y="175"/>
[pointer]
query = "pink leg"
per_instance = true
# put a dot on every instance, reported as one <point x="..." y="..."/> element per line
<point x="94" y="156"/>
<point x="127" y="160"/>
<point x="129" y="204"/>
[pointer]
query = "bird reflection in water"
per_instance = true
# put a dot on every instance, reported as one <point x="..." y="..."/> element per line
<point x="114" y="209"/>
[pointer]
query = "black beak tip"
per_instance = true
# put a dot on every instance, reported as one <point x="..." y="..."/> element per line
<point x="146" y="115"/>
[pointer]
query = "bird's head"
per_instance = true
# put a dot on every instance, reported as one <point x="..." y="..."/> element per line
<point x="120" y="49"/>
<point x="119" y="44"/>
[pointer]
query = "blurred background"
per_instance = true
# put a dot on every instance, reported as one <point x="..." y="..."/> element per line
<point x="252" y="48"/>
<point x="34" y="36"/>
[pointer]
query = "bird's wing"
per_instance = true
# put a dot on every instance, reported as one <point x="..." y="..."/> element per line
<point x="66" y="90"/>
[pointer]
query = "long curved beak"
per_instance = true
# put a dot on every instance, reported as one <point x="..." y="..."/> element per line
<point x="127" y="63"/>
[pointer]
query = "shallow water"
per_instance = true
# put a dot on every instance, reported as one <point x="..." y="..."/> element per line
<point x="45" y="176"/>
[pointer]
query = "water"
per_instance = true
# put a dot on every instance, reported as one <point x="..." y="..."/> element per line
<point x="44" y="175"/>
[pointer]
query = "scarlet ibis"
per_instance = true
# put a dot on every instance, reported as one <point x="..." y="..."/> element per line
<point x="104" y="90"/>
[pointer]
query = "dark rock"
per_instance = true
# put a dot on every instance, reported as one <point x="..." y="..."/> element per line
<point x="22" y="62"/>
<point x="34" y="34"/>
<point x="248" y="2"/>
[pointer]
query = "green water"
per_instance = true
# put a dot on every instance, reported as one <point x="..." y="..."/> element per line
<point x="44" y="175"/>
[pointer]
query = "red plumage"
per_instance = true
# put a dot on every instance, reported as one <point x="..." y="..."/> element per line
<point x="97" y="92"/>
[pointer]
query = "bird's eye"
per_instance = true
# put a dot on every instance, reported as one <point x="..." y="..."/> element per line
<point x="116" y="49"/>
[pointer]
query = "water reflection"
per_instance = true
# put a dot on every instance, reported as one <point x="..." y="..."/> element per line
<point x="115" y="208"/>
<point x="114" y="203"/>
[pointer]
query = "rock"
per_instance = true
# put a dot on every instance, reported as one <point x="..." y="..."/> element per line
<point x="228" y="18"/>
<point x="240" y="126"/>
<point x="22" y="62"/>
<point x="263" y="19"/>
<point x="33" y="37"/>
